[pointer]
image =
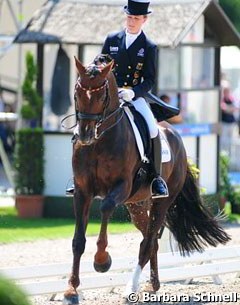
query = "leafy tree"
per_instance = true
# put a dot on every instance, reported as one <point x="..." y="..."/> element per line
<point x="232" y="9"/>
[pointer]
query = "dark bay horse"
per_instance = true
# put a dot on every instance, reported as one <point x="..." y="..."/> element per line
<point x="105" y="161"/>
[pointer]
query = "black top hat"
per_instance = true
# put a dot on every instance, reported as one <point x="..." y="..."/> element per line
<point x="137" y="7"/>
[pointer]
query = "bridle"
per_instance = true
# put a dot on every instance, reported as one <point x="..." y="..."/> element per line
<point x="89" y="116"/>
<point x="102" y="117"/>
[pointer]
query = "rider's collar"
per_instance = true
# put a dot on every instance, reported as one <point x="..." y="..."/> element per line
<point x="133" y="35"/>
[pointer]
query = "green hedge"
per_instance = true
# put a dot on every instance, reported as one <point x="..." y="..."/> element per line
<point x="29" y="161"/>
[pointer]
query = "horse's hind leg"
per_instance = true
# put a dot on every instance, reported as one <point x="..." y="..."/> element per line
<point x="149" y="244"/>
<point x="81" y="209"/>
<point x="140" y="218"/>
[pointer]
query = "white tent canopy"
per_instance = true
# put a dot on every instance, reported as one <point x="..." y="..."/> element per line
<point x="230" y="58"/>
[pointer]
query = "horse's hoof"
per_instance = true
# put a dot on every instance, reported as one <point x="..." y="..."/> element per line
<point x="156" y="285"/>
<point x="151" y="286"/>
<point x="131" y="288"/>
<point x="103" y="267"/>
<point x="71" y="300"/>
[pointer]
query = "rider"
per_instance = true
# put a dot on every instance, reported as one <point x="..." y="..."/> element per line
<point x="135" y="70"/>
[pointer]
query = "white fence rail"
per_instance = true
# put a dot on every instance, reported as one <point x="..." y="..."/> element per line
<point x="50" y="279"/>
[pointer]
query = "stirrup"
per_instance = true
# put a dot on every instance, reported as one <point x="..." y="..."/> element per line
<point x="69" y="192"/>
<point x="156" y="195"/>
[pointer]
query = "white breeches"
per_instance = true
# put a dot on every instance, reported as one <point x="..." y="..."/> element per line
<point x="142" y="106"/>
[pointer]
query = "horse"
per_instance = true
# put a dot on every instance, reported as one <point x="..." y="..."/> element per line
<point x="105" y="161"/>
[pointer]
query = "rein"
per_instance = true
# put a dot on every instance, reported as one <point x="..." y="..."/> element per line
<point x="100" y="123"/>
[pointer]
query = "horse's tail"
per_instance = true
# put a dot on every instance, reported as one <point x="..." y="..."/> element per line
<point x="191" y="223"/>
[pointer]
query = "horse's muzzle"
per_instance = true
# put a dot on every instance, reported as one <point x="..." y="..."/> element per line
<point x="86" y="136"/>
<point x="86" y="142"/>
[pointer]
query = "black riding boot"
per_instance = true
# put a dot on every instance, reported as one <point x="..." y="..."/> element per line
<point x="159" y="186"/>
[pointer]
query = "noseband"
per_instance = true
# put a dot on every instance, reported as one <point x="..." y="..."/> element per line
<point x="100" y="118"/>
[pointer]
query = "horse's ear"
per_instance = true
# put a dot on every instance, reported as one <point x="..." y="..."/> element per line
<point x="80" y="67"/>
<point x="107" y="69"/>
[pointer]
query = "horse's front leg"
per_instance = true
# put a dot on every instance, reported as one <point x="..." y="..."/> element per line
<point x="102" y="259"/>
<point x="118" y="195"/>
<point x="81" y="209"/>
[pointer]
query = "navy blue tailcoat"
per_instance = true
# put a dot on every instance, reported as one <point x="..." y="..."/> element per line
<point x="134" y="67"/>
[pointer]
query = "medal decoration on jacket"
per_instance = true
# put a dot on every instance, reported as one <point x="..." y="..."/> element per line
<point x="139" y="66"/>
<point x="137" y="73"/>
<point x="135" y="81"/>
<point x="141" y="52"/>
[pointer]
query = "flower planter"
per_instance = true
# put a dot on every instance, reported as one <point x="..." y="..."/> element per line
<point x="29" y="206"/>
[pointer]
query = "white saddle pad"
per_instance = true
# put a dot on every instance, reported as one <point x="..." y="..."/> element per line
<point x="166" y="153"/>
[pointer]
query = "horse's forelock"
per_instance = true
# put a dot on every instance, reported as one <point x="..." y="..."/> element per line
<point x="93" y="70"/>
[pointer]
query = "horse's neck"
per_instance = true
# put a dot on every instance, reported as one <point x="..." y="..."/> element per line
<point x="113" y="92"/>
